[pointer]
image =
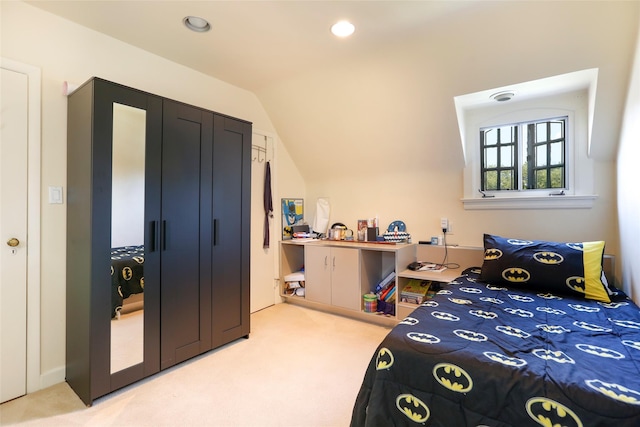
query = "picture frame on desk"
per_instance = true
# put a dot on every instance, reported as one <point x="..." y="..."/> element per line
<point x="292" y="214"/>
<point x="362" y="230"/>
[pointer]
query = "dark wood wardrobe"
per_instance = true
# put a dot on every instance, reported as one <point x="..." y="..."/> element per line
<point x="188" y="206"/>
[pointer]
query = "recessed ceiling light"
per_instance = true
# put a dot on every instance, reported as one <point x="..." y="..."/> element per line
<point x="343" y="29"/>
<point x="503" y="96"/>
<point x="195" y="23"/>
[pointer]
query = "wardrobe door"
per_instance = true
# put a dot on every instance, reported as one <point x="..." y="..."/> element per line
<point x="231" y="217"/>
<point x="101" y="117"/>
<point x="185" y="233"/>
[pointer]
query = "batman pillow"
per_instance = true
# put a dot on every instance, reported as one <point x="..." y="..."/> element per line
<point x="557" y="267"/>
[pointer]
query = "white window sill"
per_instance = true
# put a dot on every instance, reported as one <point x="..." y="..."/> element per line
<point x="535" y="202"/>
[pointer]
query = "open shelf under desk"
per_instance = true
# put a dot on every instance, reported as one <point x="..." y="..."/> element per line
<point x="443" y="276"/>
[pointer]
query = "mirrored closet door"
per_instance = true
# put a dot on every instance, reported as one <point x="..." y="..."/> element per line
<point x="127" y="237"/>
<point x="114" y="141"/>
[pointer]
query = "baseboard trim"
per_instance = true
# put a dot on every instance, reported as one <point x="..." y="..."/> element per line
<point x="52" y="377"/>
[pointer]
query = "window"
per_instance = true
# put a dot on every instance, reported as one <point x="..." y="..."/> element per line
<point x="529" y="150"/>
<point x="524" y="156"/>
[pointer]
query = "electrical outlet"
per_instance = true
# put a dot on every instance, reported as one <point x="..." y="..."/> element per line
<point x="444" y="224"/>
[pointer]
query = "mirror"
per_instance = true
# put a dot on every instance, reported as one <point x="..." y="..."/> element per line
<point x="127" y="237"/>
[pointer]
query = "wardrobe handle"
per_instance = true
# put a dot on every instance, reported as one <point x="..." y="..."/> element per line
<point x="163" y="235"/>
<point x="215" y="232"/>
<point x="153" y="236"/>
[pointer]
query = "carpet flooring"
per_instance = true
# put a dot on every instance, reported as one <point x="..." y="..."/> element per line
<point x="299" y="367"/>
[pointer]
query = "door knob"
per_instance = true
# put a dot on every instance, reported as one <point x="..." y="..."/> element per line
<point x="13" y="242"/>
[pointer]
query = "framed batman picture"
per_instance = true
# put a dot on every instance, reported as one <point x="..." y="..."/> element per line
<point x="292" y="214"/>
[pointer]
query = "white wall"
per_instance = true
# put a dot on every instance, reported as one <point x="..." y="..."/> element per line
<point x="68" y="52"/>
<point x="628" y="193"/>
<point x="127" y="183"/>
<point x="378" y="134"/>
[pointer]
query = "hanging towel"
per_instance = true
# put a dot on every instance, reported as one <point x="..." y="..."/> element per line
<point x="268" y="203"/>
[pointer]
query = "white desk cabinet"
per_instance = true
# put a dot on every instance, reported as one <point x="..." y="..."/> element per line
<point x="332" y="276"/>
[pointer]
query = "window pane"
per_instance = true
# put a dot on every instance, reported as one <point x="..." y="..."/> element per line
<point x="506" y="156"/>
<point x="506" y="134"/>
<point x="556" y="153"/>
<point x="491" y="157"/>
<point x="541" y="132"/>
<point x="525" y="176"/>
<point x="490" y="137"/>
<point x="557" y="178"/>
<point x="491" y="180"/>
<point x="506" y="180"/>
<point x="541" y="178"/>
<point x="556" y="130"/>
<point x="541" y="155"/>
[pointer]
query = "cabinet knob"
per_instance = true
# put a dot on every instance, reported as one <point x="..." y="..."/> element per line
<point x="13" y="242"/>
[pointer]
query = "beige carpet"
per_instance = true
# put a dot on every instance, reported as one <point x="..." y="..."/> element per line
<point x="127" y="334"/>
<point x="300" y="367"/>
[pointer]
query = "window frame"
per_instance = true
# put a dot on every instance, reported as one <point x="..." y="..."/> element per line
<point x="517" y="141"/>
<point x="571" y="95"/>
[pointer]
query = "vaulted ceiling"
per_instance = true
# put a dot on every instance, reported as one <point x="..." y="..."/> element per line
<point x="253" y="44"/>
<point x="384" y="96"/>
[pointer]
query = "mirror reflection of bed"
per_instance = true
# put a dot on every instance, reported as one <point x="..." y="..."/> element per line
<point x="127" y="237"/>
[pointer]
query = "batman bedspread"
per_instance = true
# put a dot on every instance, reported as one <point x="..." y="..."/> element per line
<point x="484" y="355"/>
<point x="127" y="274"/>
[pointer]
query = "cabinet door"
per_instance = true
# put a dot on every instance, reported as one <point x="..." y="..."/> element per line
<point x="185" y="232"/>
<point x="317" y="274"/>
<point x="345" y="285"/>
<point x="230" y="298"/>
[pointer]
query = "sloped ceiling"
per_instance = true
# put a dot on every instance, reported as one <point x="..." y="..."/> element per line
<point x="382" y="100"/>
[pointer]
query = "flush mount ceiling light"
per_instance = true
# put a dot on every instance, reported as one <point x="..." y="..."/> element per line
<point x="503" y="96"/>
<point x="342" y="29"/>
<point x="195" y="23"/>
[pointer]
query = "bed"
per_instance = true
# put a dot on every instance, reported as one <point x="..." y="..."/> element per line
<point x="127" y="277"/>
<point x="507" y="345"/>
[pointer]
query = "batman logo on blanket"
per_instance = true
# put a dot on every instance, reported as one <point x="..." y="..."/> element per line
<point x="453" y="377"/>
<point x="384" y="359"/>
<point x="615" y="391"/>
<point x="414" y="408"/>
<point x="504" y="359"/>
<point x="547" y="412"/>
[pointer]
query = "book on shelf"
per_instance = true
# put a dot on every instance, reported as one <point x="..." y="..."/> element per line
<point x="415" y="291"/>
<point x="386" y="282"/>
<point x="382" y="295"/>
<point x="391" y="295"/>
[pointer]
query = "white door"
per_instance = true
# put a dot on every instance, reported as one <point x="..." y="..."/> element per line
<point x="263" y="270"/>
<point x="13" y="234"/>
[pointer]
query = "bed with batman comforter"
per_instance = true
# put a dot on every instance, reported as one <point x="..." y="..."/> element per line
<point x="127" y="275"/>
<point x="499" y="346"/>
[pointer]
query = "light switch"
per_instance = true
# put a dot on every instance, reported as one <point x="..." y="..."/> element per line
<point x="55" y="195"/>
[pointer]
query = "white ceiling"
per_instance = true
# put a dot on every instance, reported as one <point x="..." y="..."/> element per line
<point x="282" y="38"/>
<point x="387" y="92"/>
